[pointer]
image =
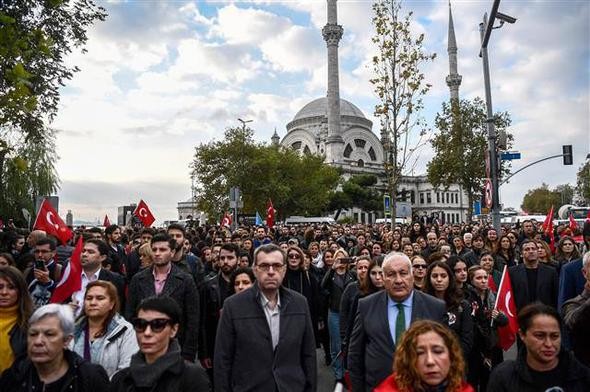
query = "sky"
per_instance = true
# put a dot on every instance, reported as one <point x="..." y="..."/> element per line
<point x="161" y="77"/>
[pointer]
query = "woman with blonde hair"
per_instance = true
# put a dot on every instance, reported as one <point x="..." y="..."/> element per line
<point x="428" y="358"/>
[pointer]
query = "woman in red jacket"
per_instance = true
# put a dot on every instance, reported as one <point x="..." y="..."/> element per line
<point x="429" y="357"/>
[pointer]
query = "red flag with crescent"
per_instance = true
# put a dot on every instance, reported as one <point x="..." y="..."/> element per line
<point x="573" y="224"/>
<point x="106" y="222"/>
<point x="270" y="214"/>
<point x="505" y="304"/>
<point x="49" y="221"/>
<point x="226" y="221"/>
<point x="71" y="277"/>
<point x="144" y="214"/>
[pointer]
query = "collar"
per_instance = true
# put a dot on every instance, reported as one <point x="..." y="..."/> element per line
<point x="265" y="300"/>
<point x="166" y="274"/>
<point x="95" y="274"/>
<point x="406" y="302"/>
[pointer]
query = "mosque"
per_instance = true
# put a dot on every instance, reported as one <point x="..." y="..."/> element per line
<point x="338" y="130"/>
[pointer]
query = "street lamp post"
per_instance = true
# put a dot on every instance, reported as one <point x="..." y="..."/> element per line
<point x="485" y="30"/>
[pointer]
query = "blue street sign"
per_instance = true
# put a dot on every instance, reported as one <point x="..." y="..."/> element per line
<point x="509" y="156"/>
<point x="477" y="207"/>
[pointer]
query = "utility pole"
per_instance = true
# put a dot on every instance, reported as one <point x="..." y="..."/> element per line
<point x="485" y="30"/>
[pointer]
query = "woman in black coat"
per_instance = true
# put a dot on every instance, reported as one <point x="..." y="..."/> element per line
<point x="158" y="366"/>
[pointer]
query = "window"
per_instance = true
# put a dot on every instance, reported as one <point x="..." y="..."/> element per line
<point x="361" y="163"/>
<point x="347" y="151"/>
<point x="306" y="150"/>
<point x="412" y="197"/>
<point x="428" y="198"/>
<point x="372" y="154"/>
<point x="438" y="197"/>
<point x="457" y="218"/>
<point x="447" y="196"/>
<point x="296" y="145"/>
<point x="360" y="143"/>
<point x="421" y="198"/>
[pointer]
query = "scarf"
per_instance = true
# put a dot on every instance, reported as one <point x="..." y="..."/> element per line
<point x="146" y="375"/>
<point x="8" y="319"/>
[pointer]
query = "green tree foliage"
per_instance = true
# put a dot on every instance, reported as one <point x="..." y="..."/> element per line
<point x="566" y="193"/>
<point x="460" y="147"/>
<point x="400" y="86"/>
<point x="583" y="185"/>
<point x="28" y="170"/>
<point x="296" y="184"/>
<point x="35" y="38"/>
<point x="358" y="191"/>
<point x="540" y="200"/>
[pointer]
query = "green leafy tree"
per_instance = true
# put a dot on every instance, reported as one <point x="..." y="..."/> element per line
<point x="29" y="171"/>
<point x="583" y="184"/>
<point x="566" y="194"/>
<point x="358" y="191"/>
<point x="400" y="87"/>
<point x="296" y="184"/>
<point x="540" y="200"/>
<point x="460" y="147"/>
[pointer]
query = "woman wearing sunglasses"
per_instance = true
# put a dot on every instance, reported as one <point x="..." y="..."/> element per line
<point x="158" y="366"/>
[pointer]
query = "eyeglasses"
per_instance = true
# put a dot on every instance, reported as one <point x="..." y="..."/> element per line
<point x="419" y="266"/>
<point x="294" y="256"/>
<point x="156" y="325"/>
<point x="267" y="267"/>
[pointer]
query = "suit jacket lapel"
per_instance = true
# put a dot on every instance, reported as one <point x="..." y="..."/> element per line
<point x="417" y="307"/>
<point x="262" y="315"/>
<point x="384" y="319"/>
<point x="171" y="283"/>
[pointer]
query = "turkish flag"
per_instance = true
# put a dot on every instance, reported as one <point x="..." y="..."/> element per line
<point x="573" y="224"/>
<point x="548" y="219"/>
<point x="144" y="214"/>
<point x="106" y="222"/>
<point x="71" y="278"/>
<point x="270" y="214"/>
<point x="505" y="304"/>
<point x="226" y="220"/>
<point x="492" y="284"/>
<point x="49" y="221"/>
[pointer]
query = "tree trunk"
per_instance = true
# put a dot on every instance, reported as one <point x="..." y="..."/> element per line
<point x="469" y="205"/>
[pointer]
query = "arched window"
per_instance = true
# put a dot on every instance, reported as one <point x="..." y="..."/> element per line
<point x="296" y="145"/>
<point x="372" y="154"/>
<point x="347" y="151"/>
<point x="360" y="163"/>
<point x="306" y="150"/>
<point x="360" y="143"/>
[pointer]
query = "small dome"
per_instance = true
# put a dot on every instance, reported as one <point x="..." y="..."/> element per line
<point x="319" y="107"/>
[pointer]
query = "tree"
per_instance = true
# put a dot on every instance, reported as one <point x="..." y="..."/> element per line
<point x="460" y="146"/>
<point x="400" y="86"/>
<point x="28" y="171"/>
<point x="566" y="193"/>
<point x="540" y="200"/>
<point x="358" y="191"/>
<point x="296" y="184"/>
<point x="583" y="185"/>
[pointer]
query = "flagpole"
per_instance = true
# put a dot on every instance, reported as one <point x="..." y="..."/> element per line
<point x="37" y="216"/>
<point x="498" y="296"/>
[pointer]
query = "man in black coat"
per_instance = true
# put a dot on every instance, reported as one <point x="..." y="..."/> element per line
<point x="265" y="337"/>
<point x="379" y="322"/>
<point x="165" y="278"/>
<point x="533" y="281"/>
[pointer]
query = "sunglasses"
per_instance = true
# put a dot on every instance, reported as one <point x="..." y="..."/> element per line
<point x="156" y="325"/>
<point x="294" y="255"/>
<point x="420" y="266"/>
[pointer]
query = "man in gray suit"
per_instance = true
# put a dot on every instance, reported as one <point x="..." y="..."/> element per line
<point x="381" y="319"/>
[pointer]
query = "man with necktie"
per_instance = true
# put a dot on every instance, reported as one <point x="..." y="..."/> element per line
<point x="382" y="318"/>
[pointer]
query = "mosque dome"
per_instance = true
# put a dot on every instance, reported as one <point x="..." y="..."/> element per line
<point x="319" y="107"/>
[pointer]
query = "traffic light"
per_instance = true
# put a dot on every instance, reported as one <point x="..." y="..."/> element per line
<point x="568" y="157"/>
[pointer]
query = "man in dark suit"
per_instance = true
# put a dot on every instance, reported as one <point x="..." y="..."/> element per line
<point x="94" y="259"/>
<point x="533" y="281"/>
<point x="165" y="278"/>
<point x="265" y="338"/>
<point x="382" y="317"/>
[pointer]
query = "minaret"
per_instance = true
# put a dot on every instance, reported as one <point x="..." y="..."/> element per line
<point x="332" y="33"/>
<point x="454" y="79"/>
<point x="275" y="139"/>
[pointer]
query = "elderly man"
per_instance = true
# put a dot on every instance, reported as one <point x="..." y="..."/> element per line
<point x="381" y="320"/>
<point x="265" y="338"/>
<point x="49" y="365"/>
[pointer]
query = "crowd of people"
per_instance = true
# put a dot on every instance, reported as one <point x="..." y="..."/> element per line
<point x="403" y="308"/>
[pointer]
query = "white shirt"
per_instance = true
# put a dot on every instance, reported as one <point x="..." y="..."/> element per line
<point x="273" y="318"/>
<point x="78" y="296"/>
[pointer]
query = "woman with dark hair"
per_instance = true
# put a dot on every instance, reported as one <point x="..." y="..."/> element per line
<point x="15" y="309"/>
<point x="459" y="267"/>
<point x="566" y="250"/>
<point x="158" y="366"/>
<point x="241" y="279"/>
<point x="491" y="240"/>
<point x="542" y="365"/>
<point x="428" y="358"/>
<point x="102" y="336"/>
<point x="485" y="354"/>
<point x="440" y="283"/>
<point x="416" y="231"/>
<point x="419" y="267"/>
<point x="6" y="260"/>
<point x="487" y="262"/>
<point x="505" y="255"/>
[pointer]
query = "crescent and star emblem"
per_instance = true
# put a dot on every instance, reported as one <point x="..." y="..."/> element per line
<point x="507" y="302"/>
<point x="49" y="216"/>
<point x="142" y="212"/>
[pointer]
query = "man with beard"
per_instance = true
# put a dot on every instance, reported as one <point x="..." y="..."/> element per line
<point x="166" y="278"/>
<point x="213" y="293"/>
<point x="188" y="263"/>
<point x="116" y="252"/>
